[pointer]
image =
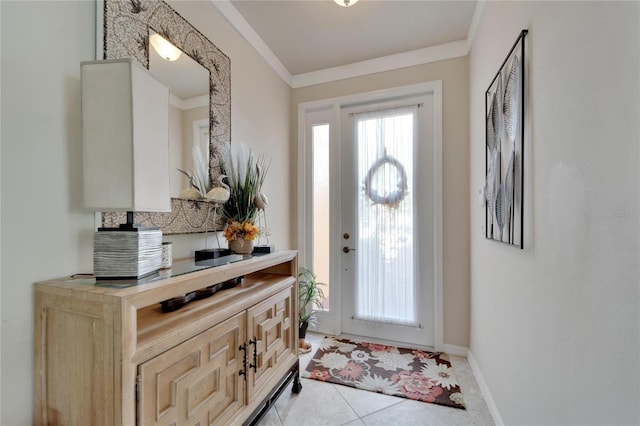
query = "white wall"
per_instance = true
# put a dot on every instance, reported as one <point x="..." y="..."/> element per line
<point x="555" y="326"/>
<point x="45" y="231"/>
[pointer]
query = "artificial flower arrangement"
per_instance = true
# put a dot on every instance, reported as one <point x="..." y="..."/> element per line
<point x="240" y="231"/>
<point x="245" y="175"/>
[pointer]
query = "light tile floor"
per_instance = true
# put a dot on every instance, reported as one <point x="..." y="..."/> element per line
<point x="327" y="404"/>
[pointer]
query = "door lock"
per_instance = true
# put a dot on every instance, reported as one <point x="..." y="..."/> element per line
<point x="347" y="249"/>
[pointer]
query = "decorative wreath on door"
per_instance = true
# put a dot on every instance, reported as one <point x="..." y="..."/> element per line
<point x="393" y="198"/>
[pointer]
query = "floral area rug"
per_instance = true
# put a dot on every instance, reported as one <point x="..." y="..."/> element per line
<point x="407" y="373"/>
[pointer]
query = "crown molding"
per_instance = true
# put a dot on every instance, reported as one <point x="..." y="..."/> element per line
<point x="387" y="63"/>
<point x="478" y="12"/>
<point x="186" y="104"/>
<point x="234" y="17"/>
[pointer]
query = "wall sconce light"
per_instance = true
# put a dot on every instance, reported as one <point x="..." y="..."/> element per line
<point x="165" y="49"/>
<point x="346" y="3"/>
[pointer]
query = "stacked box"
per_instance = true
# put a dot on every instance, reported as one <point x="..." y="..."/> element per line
<point x="127" y="254"/>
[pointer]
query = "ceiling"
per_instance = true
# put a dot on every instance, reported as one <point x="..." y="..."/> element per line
<point x="311" y="36"/>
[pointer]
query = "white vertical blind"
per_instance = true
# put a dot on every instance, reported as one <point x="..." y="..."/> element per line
<point x="386" y="286"/>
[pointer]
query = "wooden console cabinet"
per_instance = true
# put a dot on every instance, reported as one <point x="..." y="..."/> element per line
<point x="108" y="355"/>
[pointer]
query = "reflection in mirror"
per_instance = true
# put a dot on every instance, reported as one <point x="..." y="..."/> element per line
<point x="126" y="34"/>
<point x="188" y="83"/>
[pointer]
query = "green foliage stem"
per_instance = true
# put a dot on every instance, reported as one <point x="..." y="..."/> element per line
<point x="243" y="189"/>
<point x="310" y="294"/>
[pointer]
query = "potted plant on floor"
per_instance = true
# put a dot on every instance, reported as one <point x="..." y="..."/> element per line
<point x="310" y="296"/>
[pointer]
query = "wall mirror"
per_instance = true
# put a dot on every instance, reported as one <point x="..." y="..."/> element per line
<point x="188" y="83"/>
<point x="200" y="84"/>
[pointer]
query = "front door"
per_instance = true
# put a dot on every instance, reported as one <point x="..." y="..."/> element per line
<point x="387" y="230"/>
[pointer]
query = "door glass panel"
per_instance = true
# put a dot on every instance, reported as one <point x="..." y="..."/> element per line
<point x="321" y="230"/>
<point x="385" y="289"/>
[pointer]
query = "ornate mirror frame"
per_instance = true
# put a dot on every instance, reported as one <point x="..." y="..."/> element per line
<point x="125" y="25"/>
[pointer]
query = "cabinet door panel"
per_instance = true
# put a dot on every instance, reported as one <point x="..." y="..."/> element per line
<point x="271" y="322"/>
<point x="76" y="352"/>
<point x="196" y="382"/>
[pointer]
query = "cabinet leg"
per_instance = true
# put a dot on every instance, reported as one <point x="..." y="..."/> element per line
<point x="297" y="386"/>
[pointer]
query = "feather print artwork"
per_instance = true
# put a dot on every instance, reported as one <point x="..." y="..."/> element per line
<point x="508" y="185"/>
<point x="511" y="95"/>
<point x="491" y="132"/>
<point x="491" y="184"/>
<point x="500" y="201"/>
<point x="508" y="188"/>
<point x="488" y="190"/>
<point x="496" y="113"/>
<point x="506" y="116"/>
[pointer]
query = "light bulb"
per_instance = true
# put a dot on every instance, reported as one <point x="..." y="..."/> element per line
<point x="165" y="49"/>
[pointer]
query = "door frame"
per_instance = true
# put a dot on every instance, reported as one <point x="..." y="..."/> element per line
<point x="335" y="105"/>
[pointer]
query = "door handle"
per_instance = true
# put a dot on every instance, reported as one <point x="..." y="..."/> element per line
<point x="346" y="249"/>
<point x="243" y="372"/>
<point x="254" y="342"/>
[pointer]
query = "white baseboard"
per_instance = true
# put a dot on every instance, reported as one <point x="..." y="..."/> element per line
<point x="456" y="350"/>
<point x="484" y="389"/>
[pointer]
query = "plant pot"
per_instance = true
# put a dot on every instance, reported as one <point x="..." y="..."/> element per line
<point x="302" y="331"/>
<point x="241" y="246"/>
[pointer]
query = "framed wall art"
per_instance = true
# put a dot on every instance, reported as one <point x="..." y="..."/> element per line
<point x="504" y="150"/>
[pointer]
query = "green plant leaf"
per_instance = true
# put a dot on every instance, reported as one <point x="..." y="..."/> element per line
<point x="310" y="295"/>
<point x="245" y="174"/>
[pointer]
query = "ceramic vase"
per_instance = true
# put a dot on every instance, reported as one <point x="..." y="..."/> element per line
<point x="241" y="246"/>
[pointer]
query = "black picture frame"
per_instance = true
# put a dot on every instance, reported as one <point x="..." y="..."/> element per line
<point x="505" y="108"/>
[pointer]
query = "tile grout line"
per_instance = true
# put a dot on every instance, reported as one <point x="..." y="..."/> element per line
<point x="402" y="400"/>
<point x="275" y="408"/>
<point x="346" y="402"/>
